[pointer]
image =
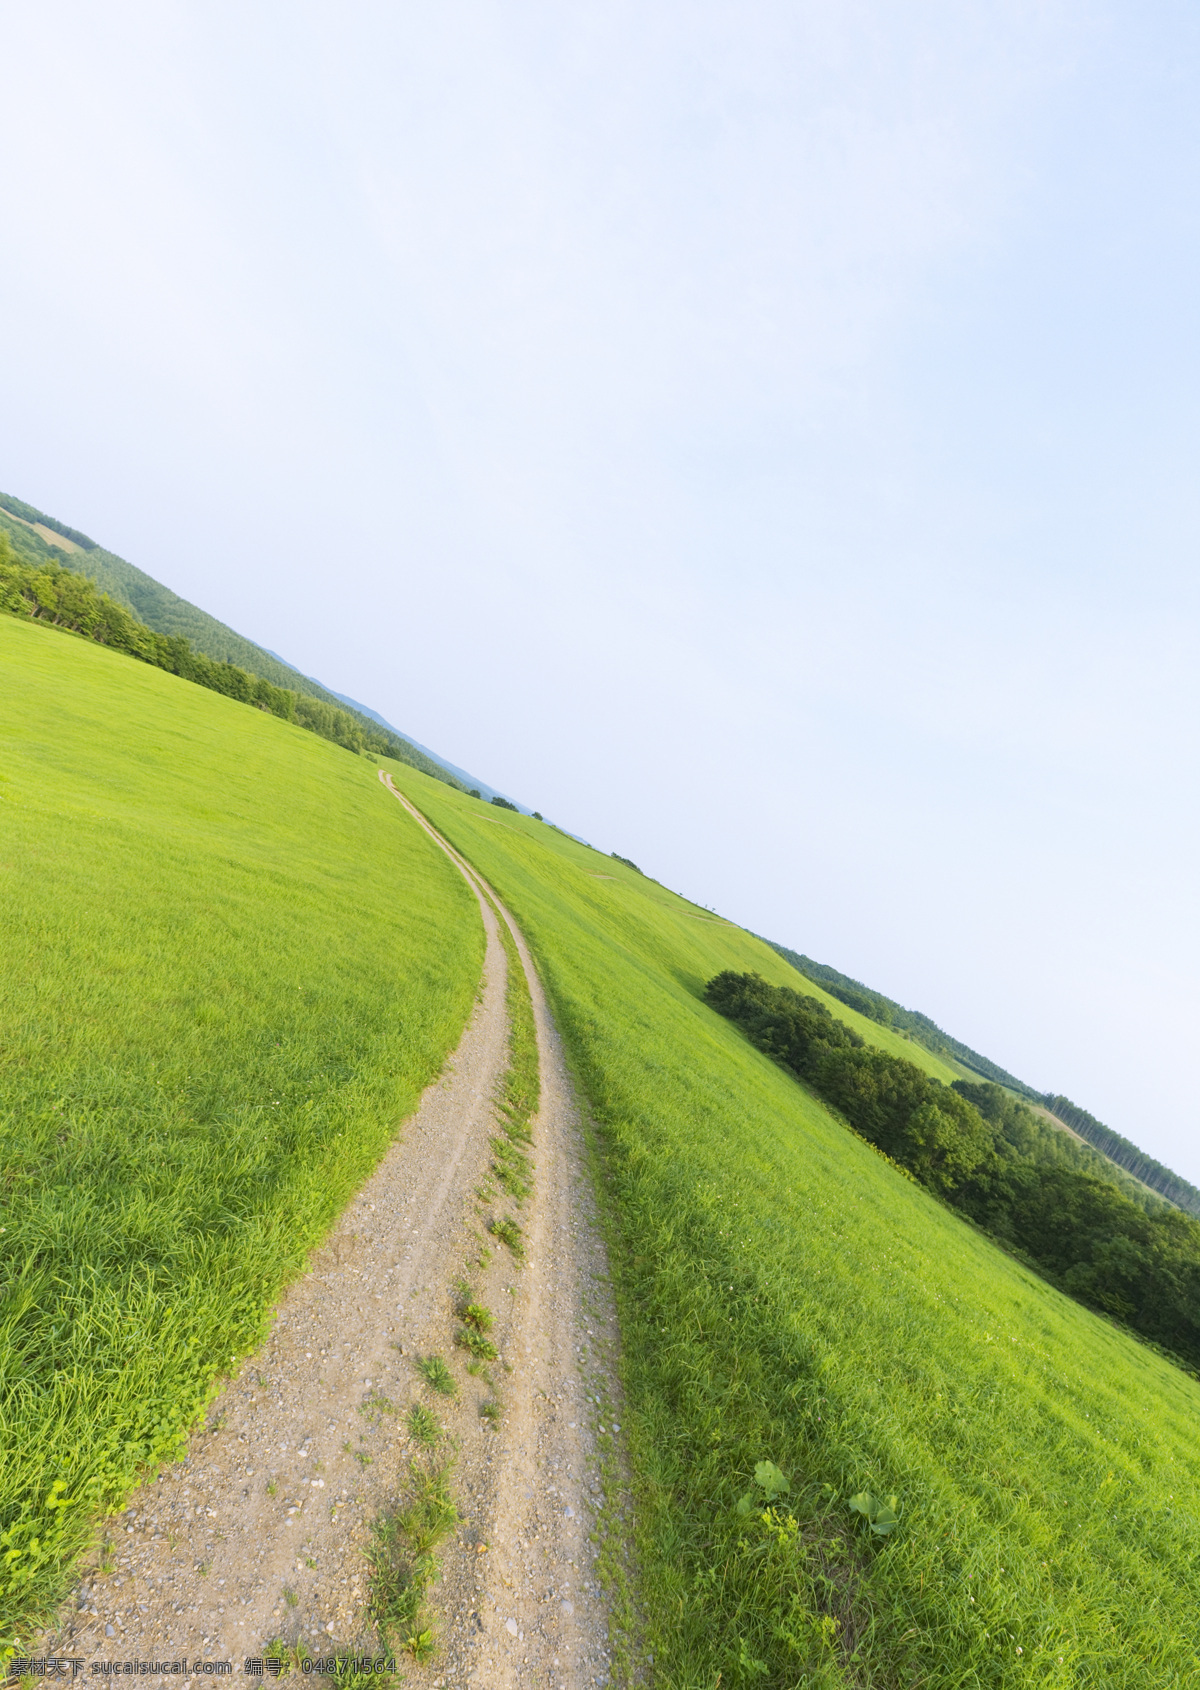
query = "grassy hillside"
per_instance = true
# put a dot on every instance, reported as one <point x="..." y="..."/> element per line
<point x="152" y="603"/>
<point x="230" y="968"/>
<point x="48" y="592"/>
<point x="788" y="1297"/>
<point x="33" y="536"/>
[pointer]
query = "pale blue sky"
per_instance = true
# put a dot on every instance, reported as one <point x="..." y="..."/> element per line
<point x="762" y="437"/>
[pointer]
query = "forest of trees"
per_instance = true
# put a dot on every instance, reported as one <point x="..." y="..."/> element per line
<point x="1126" y="1155"/>
<point x="49" y="592"/>
<point x="990" y="1156"/>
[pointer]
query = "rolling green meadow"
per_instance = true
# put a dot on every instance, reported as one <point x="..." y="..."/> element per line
<point x="787" y="1296"/>
<point x="231" y="965"/>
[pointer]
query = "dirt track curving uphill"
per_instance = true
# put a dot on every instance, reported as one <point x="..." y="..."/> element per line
<point x="260" y="1534"/>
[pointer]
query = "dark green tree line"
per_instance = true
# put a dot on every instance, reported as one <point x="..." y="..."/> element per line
<point x="47" y="592"/>
<point x="987" y="1154"/>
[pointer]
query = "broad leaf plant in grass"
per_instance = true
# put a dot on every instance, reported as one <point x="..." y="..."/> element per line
<point x="868" y="1447"/>
<point x="230" y="968"/>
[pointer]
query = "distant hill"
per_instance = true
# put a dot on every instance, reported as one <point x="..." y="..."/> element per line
<point x="472" y="783"/>
<point x="1164" y="1180"/>
<point x="152" y="603"/>
<point x="35" y="534"/>
<point x="888" y="1013"/>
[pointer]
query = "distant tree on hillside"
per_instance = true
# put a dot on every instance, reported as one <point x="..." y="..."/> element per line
<point x="505" y="804"/>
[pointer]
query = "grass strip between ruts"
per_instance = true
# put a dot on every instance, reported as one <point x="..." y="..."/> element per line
<point x="522" y="1084"/>
<point x="512" y="1160"/>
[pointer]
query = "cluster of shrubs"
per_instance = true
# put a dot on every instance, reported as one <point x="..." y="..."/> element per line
<point x="988" y="1155"/>
<point x="47" y="592"/>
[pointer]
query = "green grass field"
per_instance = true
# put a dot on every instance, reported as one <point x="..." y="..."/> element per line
<point x="786" y="1295"/>
<point x="231" y="964"/>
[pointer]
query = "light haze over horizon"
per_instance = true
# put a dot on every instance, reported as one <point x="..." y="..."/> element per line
<point x="763" y="438"/>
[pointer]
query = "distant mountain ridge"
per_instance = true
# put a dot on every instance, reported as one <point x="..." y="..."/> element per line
<point x="888" y="1013"/>
<point x="469" y="781"/>
<point x="167" y="613"/>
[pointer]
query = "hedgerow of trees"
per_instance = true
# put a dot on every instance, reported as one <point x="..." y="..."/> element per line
<point x="990" y="1156"/>
<point x="48" y="592"/>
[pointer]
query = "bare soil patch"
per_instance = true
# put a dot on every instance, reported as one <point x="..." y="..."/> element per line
<point x="47" y="534"/>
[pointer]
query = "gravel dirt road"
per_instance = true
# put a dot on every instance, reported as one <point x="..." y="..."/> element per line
<point x="260" y="1533"/>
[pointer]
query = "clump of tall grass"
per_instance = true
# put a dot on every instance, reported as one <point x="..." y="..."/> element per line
<point x="437" y="1375"/>
<point x="402" y="1553"/>
<point x="467" y="1338"/>
<point x="423" y="1427"/>
<point x="505" y="1228"/>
